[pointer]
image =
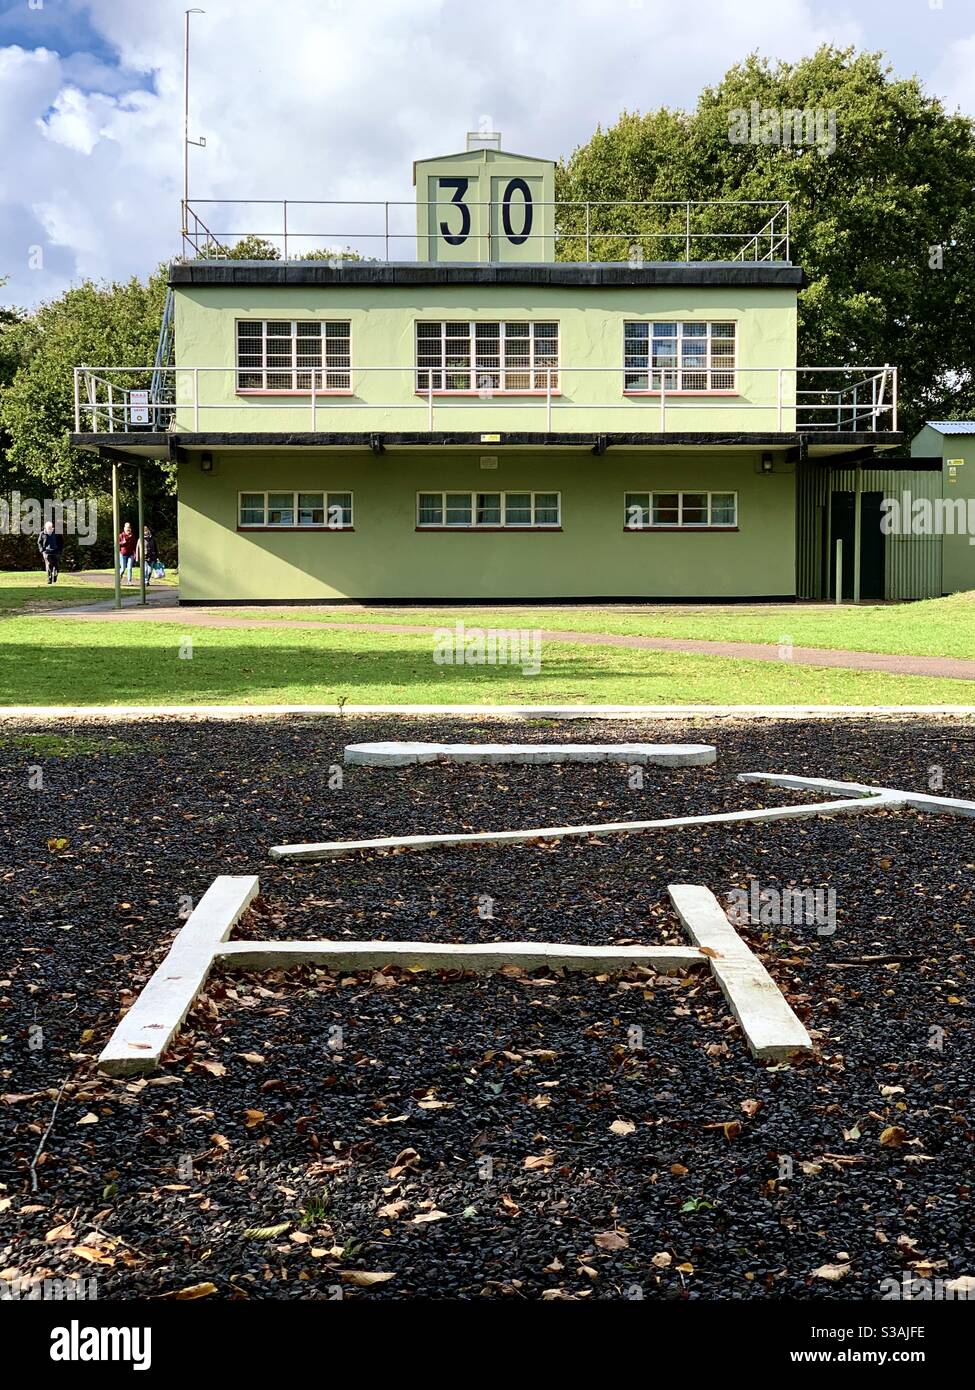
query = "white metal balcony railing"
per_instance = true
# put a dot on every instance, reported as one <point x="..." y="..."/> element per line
<point x="676" y="230"/>
<point x="839" y="399"/>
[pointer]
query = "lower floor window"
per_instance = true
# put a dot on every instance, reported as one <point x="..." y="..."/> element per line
<point x="473" y="509"/>
<point x="644" y="510"/>
<point x="331" y="510"/>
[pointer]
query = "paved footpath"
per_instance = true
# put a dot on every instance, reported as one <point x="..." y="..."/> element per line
<point x="163" y="607"/>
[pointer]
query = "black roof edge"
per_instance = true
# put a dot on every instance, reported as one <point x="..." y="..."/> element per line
<point x="608" y="274"/>
<point x="497" y="439"/>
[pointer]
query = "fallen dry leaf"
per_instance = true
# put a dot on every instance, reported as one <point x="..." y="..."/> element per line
<point x="612" y="1240"/>
<point x="545" y="1160"/>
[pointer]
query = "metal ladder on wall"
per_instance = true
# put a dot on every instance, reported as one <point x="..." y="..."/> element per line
<point x="162" y="392"/>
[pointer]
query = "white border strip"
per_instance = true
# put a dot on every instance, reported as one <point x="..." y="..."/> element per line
<point x="772" y="1030"/>
<point x="917" y="801"/>
<point x="397" y="754"/>
<point x="871" y="799"/>
<point x="147" y="1029"/>
<point x="857" y="798"/>
<point x="153" y="711"/>
<point x="480" y="957"/>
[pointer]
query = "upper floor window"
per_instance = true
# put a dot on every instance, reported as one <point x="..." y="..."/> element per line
<point x="647" y="510"/>
<point x="289" y="354"/>
<point x="696" y="357"/>
<point x="488" y="509"/>
<point x="488" y="357"/>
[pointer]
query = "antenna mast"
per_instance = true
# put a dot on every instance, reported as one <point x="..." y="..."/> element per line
<point x="187" y="142"/>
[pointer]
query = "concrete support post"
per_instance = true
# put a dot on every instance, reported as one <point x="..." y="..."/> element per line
<point x="857" y="492"/>
<point x="142" y="543"/>
<point x="117" y="528"/>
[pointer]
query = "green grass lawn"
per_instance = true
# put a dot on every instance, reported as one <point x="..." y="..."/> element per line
<point x="26" y="590"/>
<point x="934" y="627"/>
<point x="69" y="662"/>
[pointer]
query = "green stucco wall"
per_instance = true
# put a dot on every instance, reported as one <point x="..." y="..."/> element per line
<point x="386" y="558"/>
<point x="957" y="555"/>
<point x="591" y="322"/>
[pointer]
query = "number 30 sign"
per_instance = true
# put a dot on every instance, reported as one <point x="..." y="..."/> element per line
<point x="485" y="206"/>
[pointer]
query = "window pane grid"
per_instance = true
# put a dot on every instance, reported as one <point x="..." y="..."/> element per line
<point x="294" y="355"/>
<point x="487" y="357"/>
<point x="679" y="356"/>
<point x="470" y="510"/>
<point x="679" y="509"/>
<point x="318" y="510"/>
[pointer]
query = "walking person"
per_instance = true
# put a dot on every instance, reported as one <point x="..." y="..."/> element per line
<point x="50" y="545"/>
<point x="127" y="546"/>
<point x="148" y="552"/>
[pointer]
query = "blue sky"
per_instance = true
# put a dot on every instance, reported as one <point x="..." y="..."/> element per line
<point x="336" y="98"/>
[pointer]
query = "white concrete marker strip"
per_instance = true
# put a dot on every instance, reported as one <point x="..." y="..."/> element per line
<point x="772" y="1030"/>
<point x="482" y="957"/>
<point x="397" y="754"/>
<point x="679" y="712"/>
<point x="336" y="849"/>
<point x="144" y="1033"/>
<point x="917" y="801"/>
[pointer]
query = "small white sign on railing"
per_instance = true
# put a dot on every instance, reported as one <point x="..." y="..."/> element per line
<point x="138" y="407"/>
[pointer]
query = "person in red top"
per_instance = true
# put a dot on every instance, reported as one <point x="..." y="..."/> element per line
<point x="128" y="543"/>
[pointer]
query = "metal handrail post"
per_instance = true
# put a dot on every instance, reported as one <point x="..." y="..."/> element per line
<point x="778" y="402"/>
<point x="284" y="205"/>
<point x="687" y="232"/>
<point x="196" y="399"/>
<point x="77" y="402"/>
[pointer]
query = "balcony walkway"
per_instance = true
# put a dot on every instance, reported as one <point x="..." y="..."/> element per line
<point x="164" y="608"/>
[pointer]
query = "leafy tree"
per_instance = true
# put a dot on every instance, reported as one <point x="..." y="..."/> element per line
<point x="248" y="248"/>
<point x="96" y="324"/>
<point x="10" y="360"/>
<point x="883" y="223"/>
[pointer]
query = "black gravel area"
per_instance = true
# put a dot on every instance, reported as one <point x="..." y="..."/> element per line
<point x="457" y="1132"/>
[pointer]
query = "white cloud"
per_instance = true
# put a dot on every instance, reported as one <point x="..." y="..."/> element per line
<point x="333" y="99"/>
<point x="954" y="79"/>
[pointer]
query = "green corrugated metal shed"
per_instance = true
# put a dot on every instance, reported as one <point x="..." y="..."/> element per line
<point x="912" y="564"/>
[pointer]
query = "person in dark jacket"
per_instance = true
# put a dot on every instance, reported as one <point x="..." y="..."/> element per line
<point x="148" y="551"/>
<point x="50" y="545"/>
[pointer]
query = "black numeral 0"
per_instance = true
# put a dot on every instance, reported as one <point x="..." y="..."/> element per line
<point x="517" y="186"/>
<point x="460" y="187"/>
